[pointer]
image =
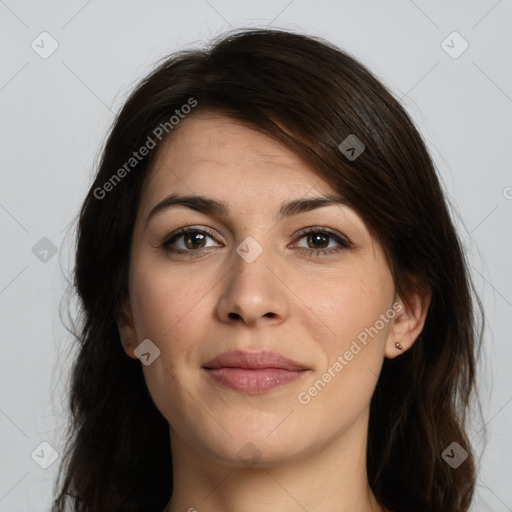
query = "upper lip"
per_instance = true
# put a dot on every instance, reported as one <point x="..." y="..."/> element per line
<point x="253" y="360"/>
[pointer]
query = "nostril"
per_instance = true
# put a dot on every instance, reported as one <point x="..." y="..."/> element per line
<point x="236" y="316"/>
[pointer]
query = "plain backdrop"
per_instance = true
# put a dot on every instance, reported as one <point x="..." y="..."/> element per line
<point x="56" y="110"/>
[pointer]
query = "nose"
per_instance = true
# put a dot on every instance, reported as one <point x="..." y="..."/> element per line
<point x="253" y="293"/>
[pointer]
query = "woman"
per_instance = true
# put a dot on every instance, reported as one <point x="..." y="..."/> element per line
<point x="277" y="313"/>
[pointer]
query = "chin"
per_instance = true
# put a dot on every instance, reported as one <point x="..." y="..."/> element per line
<point x="256" y="445"/>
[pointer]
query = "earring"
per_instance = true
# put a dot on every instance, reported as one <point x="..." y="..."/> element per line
<point x="398" y="346"/>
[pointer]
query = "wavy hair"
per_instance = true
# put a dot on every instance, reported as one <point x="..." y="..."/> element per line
<point x="311" y="96"/>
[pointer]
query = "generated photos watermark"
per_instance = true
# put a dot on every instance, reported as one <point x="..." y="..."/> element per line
<point x="158" y="133"/>
<point x="305" y="397"/>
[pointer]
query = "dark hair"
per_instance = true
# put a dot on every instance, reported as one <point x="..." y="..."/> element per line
<point x="311" y="96"/>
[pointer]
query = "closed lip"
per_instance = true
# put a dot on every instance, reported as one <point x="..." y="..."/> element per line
<point x="253" y="360"/>
<point x="253" y="372"/>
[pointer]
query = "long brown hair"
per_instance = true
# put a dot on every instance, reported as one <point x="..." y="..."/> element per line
<point x="311" y="96"/>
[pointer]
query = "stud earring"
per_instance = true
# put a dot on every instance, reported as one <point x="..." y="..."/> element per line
<point x="398" y="346"/>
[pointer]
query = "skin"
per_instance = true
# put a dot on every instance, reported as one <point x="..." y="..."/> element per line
<point x="310" y="456"/>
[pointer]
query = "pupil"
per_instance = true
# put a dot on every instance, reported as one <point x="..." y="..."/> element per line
<point x="316" y="238"/>
<point x="190" y="236"/>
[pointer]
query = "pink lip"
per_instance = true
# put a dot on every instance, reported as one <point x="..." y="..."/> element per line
<point x="253" y="372"/>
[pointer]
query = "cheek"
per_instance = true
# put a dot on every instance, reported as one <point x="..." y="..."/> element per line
<point x="351" y="306"/>
<point x="166" y="307"/>
<point x="164" y="304"/>
<point x="348" y="304"/>
<point x="353" y="357"/>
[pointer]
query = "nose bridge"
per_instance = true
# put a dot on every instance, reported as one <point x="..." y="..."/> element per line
<point x="250" y="266"/>
<point x="252" y="290"/>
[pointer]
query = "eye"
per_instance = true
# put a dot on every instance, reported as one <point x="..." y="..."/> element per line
<point x="320" y="240"/>
<point x="188" y="239"/>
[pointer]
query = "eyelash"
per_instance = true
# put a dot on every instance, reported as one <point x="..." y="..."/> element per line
<point x="344" y="243"/>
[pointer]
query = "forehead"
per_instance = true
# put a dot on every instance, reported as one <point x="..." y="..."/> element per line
<point x="215" y="152"/>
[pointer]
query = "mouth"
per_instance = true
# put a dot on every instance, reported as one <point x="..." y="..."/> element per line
<point x="253" y="372"/>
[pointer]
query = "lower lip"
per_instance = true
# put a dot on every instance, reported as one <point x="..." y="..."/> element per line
<point x="253" y="380"/>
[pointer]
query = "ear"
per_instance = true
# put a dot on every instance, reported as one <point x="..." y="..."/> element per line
<point x="409" y="320"/>
<point x="126" y="328"/>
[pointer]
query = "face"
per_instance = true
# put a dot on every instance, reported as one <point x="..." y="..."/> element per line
<point x="300" y="297"/>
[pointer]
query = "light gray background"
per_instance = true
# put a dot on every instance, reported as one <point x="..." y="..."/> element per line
<point x="55" y="113"/>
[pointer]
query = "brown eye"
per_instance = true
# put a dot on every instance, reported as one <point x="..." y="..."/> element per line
<point x="194" y="240"/>
<point x="319" y="240"/>
<point x="188" y="240"/>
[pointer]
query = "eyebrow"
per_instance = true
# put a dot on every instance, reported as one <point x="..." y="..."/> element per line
<point x="210" y="206"/>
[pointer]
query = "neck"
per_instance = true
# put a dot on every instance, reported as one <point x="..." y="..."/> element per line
<point x="331" y="478"/>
